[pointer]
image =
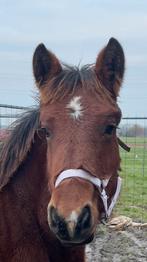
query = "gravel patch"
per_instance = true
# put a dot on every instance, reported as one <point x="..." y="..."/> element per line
<point x="118" y="246"/>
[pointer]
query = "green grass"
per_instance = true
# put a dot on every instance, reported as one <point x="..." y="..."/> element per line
<point x="133" y="198"/>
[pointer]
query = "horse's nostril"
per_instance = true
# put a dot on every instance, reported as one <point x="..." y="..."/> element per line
<point x="53" y="217"/>
<point x="84" y="221"/>
<point x="58" y="224"/>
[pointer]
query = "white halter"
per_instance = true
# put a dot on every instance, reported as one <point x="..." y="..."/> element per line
<point x="100" y="184"/>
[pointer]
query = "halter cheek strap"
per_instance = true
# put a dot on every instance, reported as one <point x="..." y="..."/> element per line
<point x="100" y="184"/>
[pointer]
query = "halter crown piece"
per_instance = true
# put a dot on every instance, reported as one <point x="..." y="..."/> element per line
<point x="100" y="184"/>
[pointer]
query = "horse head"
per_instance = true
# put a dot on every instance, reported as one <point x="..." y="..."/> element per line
<point x="79" y="116"/>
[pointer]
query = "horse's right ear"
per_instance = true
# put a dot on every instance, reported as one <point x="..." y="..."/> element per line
<point x="45" y="65"/>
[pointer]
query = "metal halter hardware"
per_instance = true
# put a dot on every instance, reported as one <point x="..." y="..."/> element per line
<point x="100" y="184"/>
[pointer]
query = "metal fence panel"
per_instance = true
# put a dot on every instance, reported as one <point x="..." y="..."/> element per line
<point x="133" y="200"/>
<point x="9" y="113"/>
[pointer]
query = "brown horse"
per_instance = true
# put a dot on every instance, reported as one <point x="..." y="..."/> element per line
<point x="59" y="166"/>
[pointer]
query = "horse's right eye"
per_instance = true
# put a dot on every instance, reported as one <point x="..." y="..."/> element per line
<point x="43" y="131"/>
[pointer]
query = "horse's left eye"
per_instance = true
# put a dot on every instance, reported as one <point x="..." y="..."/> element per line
<point x="109" y="129"/>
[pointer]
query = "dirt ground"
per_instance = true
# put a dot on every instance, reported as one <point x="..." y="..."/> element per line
<point x="118" y="246"/>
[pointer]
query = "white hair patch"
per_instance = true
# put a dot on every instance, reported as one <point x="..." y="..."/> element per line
<point x="73" y="217"/>
<point x="76" y="109"/>
<point x="72" y="221"/>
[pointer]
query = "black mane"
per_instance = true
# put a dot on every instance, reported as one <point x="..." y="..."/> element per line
<point x="69" y="80"/>
<point x="19" y="142"/>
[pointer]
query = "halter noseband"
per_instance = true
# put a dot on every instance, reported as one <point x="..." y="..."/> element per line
<point x="100" y="184"/>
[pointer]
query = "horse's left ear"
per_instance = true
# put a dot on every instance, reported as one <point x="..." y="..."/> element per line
<point x="110" y="65"/>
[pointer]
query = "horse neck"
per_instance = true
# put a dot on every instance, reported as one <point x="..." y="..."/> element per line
<point x="30" y="178"/>
<point x="35" y="168"/>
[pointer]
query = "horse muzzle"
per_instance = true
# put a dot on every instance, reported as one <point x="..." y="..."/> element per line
<point x="76" y="229"/>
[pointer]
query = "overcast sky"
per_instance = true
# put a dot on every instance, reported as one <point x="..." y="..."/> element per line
<point x="75" y="31"/>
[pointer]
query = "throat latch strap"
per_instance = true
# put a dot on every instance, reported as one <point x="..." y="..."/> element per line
<point x="123" y="145"/>
<point x="100" y="184"/>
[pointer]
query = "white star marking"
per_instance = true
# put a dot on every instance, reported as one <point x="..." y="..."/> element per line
<point x="75" y="107"/>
